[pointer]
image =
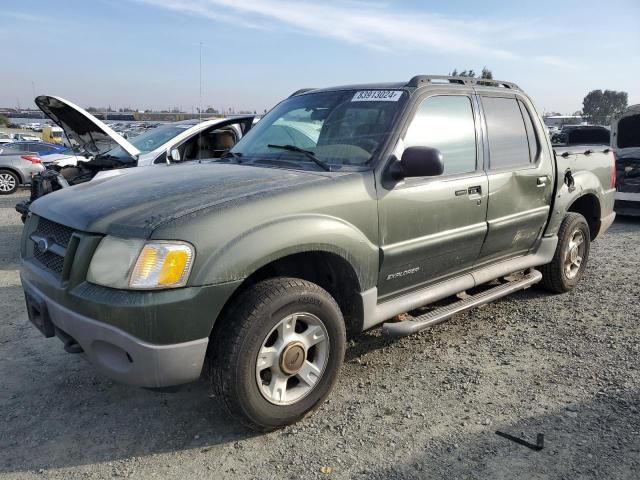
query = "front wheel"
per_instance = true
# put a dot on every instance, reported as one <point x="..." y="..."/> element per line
<point x="570" y="259"/>
<point x="277" y="353"/>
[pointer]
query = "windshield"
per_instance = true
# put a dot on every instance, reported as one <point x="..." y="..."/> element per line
<point x="150" y="140"/>
<point x="339" y="128"/>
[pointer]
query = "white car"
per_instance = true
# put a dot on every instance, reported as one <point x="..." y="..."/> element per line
<point x="625" y="140"/>
<point x="182" y="141"/>
<point x="5" y="138"/>
<point x="25" y="137"/>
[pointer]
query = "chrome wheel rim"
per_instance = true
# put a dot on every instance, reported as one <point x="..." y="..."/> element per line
<point x="574" y="254"/>
<point x="292" y="359"/>
<point x="7" y="182"/>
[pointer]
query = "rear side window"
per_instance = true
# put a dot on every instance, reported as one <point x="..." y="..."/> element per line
<point x="508" y="142"/>
<point x="534" y="144"/>
<point x="446" y="123"/>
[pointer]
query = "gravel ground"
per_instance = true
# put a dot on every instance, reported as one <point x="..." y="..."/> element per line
<point x="426" y="406"/>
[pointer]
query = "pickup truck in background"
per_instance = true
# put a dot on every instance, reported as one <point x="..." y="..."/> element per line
<point x="341" y="209"/>
<point x="626" y="143"/>
<point x="582" y="135"/>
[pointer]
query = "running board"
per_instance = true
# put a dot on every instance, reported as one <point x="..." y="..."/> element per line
<point x="417" y="324"/>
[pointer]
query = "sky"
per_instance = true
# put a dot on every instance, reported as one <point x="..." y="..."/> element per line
<point x="146" y="53"/>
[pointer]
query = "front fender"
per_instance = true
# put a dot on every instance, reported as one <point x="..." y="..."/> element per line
<point x="279" y="238"/>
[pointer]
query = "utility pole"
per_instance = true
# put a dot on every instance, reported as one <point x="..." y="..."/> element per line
<point x="200" y="100"/>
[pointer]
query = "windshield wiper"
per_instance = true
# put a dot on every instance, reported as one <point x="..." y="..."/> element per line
<point x="230" y="154"/>
<point x="308" y="153"/>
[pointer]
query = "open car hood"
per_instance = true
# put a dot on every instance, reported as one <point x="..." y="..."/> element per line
<point x="94" y="136"/>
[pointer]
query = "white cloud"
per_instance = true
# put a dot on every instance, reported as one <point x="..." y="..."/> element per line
<point x="376" y="26"/>
<point x="25" y="17"/>
<point x="555" y="61"/>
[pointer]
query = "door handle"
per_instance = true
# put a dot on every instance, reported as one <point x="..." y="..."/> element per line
<point x="541" y="182"/>
<point x="475" y="193"/>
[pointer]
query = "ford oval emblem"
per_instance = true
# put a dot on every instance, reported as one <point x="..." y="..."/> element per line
<point x="43" y="245"/>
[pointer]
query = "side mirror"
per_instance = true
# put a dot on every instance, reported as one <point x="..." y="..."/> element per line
<point x="418" y="162"/>
<point x="173" y="155"/>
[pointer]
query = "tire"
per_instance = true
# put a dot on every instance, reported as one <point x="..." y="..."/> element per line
<point x="570" y="259"/>
<point x="279" y="319"/>
<point x="9" y="182"/>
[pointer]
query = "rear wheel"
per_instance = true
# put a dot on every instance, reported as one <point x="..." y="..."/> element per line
<point x="9" y="182"/>
<point x="277" y="353"/>
<point x="570" y="259"/>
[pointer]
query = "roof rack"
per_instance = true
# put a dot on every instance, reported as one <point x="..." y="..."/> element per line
<point x="421" y="80"/>
<point x="301" y="91"/>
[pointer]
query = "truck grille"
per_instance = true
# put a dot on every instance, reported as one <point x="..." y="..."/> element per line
<point x="58" y="233"/>
<point x="50" y="242"/>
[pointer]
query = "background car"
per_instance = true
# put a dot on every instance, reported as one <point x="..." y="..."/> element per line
<point x="65" y="157"/>
<point x="5" y="138"/>
<point x="25" y="137"/>
<point x="582" y="135"/>
<point x="41" y="148"/>
<point x="187" y="139"/>
<point x="626" y="143"/>
<point x="17" y="168"/>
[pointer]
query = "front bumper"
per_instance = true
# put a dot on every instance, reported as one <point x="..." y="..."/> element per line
<point x="114" y="352"/>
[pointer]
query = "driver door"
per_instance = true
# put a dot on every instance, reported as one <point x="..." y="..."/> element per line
<point x="434" y="227"/>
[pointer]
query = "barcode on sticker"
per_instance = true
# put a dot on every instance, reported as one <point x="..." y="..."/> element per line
<point x="377" y="96"/>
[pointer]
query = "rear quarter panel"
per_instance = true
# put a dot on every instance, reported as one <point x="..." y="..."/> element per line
<point x="592" y="174"/>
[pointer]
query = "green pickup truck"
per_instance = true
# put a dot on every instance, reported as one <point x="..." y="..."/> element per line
<point x="341" y="209"/>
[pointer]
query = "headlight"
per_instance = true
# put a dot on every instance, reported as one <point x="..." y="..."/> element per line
<point x="111" y="263"/>
<point x="133" y="264"/>
<point x="162" y="265"/>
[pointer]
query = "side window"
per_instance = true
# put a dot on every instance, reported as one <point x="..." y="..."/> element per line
<point x="446" y="123"/>
<point x="508" y="144"/>
<point x="532" y="137"/>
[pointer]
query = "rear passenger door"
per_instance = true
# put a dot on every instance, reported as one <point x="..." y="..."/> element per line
<point x="520" y="173"/>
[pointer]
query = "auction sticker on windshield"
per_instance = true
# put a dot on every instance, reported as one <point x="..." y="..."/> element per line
<point x="377" y="96"/>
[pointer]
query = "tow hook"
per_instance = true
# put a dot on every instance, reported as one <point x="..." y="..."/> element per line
<point x="70" y="343"/>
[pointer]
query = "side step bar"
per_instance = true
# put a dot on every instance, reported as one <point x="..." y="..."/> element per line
<point x="417" y="324"/>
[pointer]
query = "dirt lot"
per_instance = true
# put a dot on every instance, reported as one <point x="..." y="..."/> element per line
<point x="426" y="406"/>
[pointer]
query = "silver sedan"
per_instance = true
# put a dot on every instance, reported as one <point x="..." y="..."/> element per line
<point x="17" y="168"/>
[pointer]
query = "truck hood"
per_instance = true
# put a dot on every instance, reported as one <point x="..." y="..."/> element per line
<point x="94" y="136"/>
<point x="135" y="204"/>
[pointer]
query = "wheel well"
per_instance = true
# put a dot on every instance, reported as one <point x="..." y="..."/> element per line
<point x="589" y="207"/>
<point x="328" y="270"/>
<point x="17" y="173"/>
